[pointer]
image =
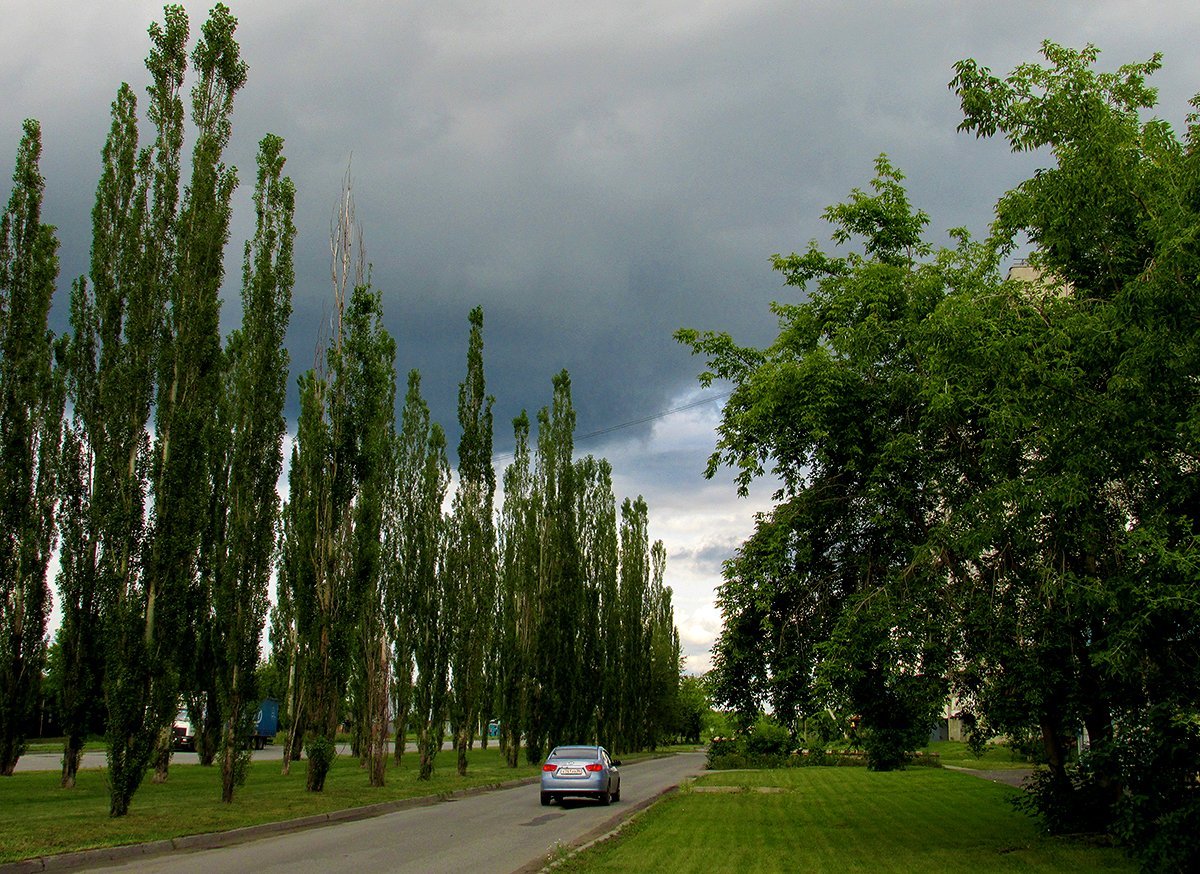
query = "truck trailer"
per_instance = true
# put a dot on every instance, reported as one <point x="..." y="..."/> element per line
<point x="266" y="725"/>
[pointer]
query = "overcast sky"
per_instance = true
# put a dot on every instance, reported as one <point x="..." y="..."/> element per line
<point x="594" y="174"/>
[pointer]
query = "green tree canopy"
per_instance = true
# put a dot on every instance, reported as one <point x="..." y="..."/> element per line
<point x="989" y="485"/>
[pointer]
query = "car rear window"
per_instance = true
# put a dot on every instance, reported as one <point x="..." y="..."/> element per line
<point x="574" y="753"/>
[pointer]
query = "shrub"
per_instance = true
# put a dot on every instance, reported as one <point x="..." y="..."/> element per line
<point x="768" y="738"/>
<point x="321" y="752"/>
<point x="721" y="748"/>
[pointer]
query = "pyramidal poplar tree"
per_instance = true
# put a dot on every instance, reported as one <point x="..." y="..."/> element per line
<point x="518" y="610"/>
<point x="115" y="322"/>
<point x="31" y="407"/>
<point x="422" y="478"/>
<point x="189" y="383"/>
<point x="553" y="668"/>
<point x="596" y="521"/>
<point x="334" y="520"/>
<point x="472" y="549"/>
<point x="146" y="337"/>
<point x="251" y="452"/>
<point x="367" y="365"/>
<point x="131" y="276"/>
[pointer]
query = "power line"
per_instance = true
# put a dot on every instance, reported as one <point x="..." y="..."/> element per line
<point x="652" y="417"/>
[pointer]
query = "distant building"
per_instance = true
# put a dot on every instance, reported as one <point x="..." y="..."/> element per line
<point x="1023" y="271"/>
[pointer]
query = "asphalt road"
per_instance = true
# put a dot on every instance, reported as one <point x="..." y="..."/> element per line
<point x="490" y="833"/>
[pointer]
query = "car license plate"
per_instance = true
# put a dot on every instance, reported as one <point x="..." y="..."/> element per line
<point x="570" y="772"/>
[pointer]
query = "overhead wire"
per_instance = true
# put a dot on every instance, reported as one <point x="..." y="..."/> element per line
<point x="650" y="418"/>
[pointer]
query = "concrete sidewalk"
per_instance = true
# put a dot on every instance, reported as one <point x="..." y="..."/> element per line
<point x="1007" y="776"/>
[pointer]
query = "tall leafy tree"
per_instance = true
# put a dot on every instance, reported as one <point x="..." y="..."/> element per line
<point x="32" y="393"/>
<point x="251" y="425"/>
<point x="555" y="682"/>
<point x="335" y="488"/>
<point x="318" y="529"/>
<point x="116" y="323"/>
<point x="836" y="407"/>
<point x="117" y="328"/>
<point x="634" y="672"/>
<point x="665" y="654"/>
<point x="423" y="475"/>
<point x="189" y="369"/>
<point x="368" y="359"/>
<point x="397" y="618"/>
<point x="1100" y="517"/>
<point x="78" y="693"/>
<point x="517" y="628"/>
<point x="993" y="476"/>
<point x="471" y="559"/>
<point x="166" y="347"/>
<point x="286" y="653"/>
<point x="599" y="646"/>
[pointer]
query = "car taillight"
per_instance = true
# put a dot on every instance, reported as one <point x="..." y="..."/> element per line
<point x="595" y="766"/>
<point x="550" y="768"/>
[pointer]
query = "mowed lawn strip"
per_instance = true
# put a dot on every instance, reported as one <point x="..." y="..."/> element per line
<point x="996" y="757"/>
<point x="40" y="819"/>
<point x="841" y="820"/>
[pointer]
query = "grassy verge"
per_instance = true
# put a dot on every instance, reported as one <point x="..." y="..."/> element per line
<point x="996" y="757"/>
<point x="43" y="819"/>
<point x="55" y="745"/>
<point x="840" y="820"/>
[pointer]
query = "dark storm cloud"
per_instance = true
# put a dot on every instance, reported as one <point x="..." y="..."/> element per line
<point x="596" y="175"/>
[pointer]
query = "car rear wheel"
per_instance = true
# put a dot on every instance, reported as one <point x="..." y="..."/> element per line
<point x="605" y="797"/>
<point x="616" y="796"/>
<point x="545" y="799"/>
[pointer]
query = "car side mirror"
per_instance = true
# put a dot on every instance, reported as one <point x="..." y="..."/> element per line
<point x="616" y="763"/>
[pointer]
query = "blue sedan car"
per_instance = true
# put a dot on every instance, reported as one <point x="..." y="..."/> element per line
<point x="580" y="771"/>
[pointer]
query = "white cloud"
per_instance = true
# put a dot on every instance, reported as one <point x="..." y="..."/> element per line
<point x="700" y="521"/>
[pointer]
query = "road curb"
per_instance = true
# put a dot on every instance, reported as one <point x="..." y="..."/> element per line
<point x="600" y="834"/>
<point x="607" y="830"/>
<point x="216" y="840"/>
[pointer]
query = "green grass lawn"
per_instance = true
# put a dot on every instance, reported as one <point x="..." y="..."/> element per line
<point x="841" y="820"/>
<point x="996" y="757"/>
<point x="55" y="745"/>
<point x="39" y="818"/>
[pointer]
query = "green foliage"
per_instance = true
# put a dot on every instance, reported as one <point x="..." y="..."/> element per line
<point x="835" y="406"/>
<point x="115" y="322"/>
<point x="985" y="484"/>
<point x="321" y="752"/>
<point x="342" y="467"/>
<point x="471" y="556"/>
<point x="1159" y="812"/>
<point x="146" y="334"/>
<point x="587" y="649"/>
<point x="417" y="536"/>
<point x="1111" y="360"/>
<point x="170" y="527"/>
<point x="517" y="556"/>
<point x="367" y="364"/>
<point x="247" y="457"/>
<point x="692" y="709"/>
<point x="32" y="392"/>
<point x="767" y="738"/>
<point x="555" y="679"/>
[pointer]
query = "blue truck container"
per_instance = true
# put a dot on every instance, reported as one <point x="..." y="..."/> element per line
<point x="266" y="723"/>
